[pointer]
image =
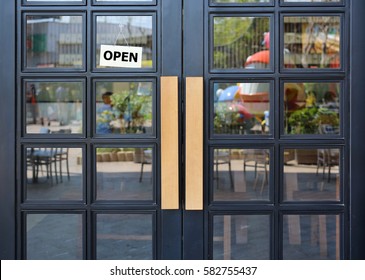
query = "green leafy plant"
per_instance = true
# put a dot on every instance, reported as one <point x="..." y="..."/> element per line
<point x="303" y="121"/>
<point x="133" y="110"/>
<point x="308" y="119"/>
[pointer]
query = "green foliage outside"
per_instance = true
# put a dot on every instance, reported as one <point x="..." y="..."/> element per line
<point x="307" y="120"/>
<point x="236" y="38"/>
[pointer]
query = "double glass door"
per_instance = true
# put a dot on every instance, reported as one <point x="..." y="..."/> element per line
<point x="228" y="141"/>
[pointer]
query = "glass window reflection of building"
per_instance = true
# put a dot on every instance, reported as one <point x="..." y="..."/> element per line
<point x="54" y="41"/>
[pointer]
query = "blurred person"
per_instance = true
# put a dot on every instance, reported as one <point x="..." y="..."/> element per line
<point x="62" y="98"/>
<point x="31" y="103"/>
<point x="43" y="98"/>
<point x="105" y="114"/>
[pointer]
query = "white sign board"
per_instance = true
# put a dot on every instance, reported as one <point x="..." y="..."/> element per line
<point x="120" y="56"/>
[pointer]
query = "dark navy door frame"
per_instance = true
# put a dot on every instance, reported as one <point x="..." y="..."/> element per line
<point x="8" y="62"/>
<point x="357" y="132"/>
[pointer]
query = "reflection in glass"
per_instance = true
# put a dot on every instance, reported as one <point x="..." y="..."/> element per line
<point x="311" y="237"/>
<point x="313" y="1"/>
<point x="54" y="41"/>
<point x="312" y="174"/>
<point x="241" y="42"/>
<point x="124" y="173"/>
<point x="312" y="108"/>
<point x="312" y="42"/>
<point x="54" y="173"/>
<point x="241" y="108"/>
<point x="54" y="237"/>
<point x="241" y="174"/>
<point x="54" y="0"/>
<point x="124" y="107"/>
<point x="132" y="31"/>
<point x="241" y="1"/>
<point x="241" y="237"/>
<point x="54" y="107"/>
<point x="124" y="0"/>
<point x="124" y="237"/>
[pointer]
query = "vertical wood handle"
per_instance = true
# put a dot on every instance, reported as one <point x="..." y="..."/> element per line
<point x="169" y="143"/>
<point x="194" y="144"/>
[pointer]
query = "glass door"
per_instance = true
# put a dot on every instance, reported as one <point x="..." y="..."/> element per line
<point x="275" y="141"/>
<point x="93" y="99"/>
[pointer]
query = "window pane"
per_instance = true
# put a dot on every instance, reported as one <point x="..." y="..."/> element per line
<point x="54" y="107"/>
<point x="54" y="237"/>
<point x="241" y="108"/>
<point x="124" y="173"/>
<point x="241" y="174"/>
<point x="124" y="108"/>
<point x="133" y="31"/>
<point x="312" y="174"/>
<point x="54" y="0"/>
<point x="54" y="41"/>
<point x="311" y="237"/>
<point x="241" y="237"/>
<point x="241" y="1"/>
<point x="124" y="237"/>
<point x="312" y="108"/>
<point x="241" y="42"/>
<point x="312" y="42"/>
<point x="54" y="173"/>
<point x="124" y="0"/>
<point x="313" y="1"/>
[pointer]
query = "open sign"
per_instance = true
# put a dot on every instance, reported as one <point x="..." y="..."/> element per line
<point x="120" y="56"/>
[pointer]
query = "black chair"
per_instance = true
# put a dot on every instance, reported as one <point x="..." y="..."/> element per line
<point x="146" y="159"/>
<point x="62" y="154"/>
<point x="327" y="158"/>
<point x="258" y="159"/>
<point x="43" y="157"/>
<point x="223" y="157"/>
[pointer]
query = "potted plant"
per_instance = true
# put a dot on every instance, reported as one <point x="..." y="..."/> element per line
<point x="303" y="121"/>
<point x="132" y="110"/>
<point x="308" y="120"/>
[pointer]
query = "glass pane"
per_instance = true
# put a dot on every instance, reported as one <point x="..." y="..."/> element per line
<point x="312" y="174"/>
<point x="124" y="237"/>
<point x="241" y="237"/>
<point x="132" y="31"/>
<point x="312" y="42"/>
<point x="54" y="173"/>
<point x="241" y="42"/>
<point x="124" y="108"/>
<point x="313" y="1"/>
<point x="124" y="173"/>
<point x="54" y="107"/>
<point x="124" y="0"/>
<point x="54" y="41"/>
<point x="241" y="108"/>
<point x="55" y="0"/>
<point x="311" y="237"/>
<point x="241" y="174"/>
<point x="54" y="237"/>
<point x="241" y="1"/>
<point x="312" y="108"/>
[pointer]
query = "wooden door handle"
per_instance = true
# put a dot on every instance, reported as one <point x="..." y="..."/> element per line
<point x="194" y="144"/>
<point x="169" y="143"/>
